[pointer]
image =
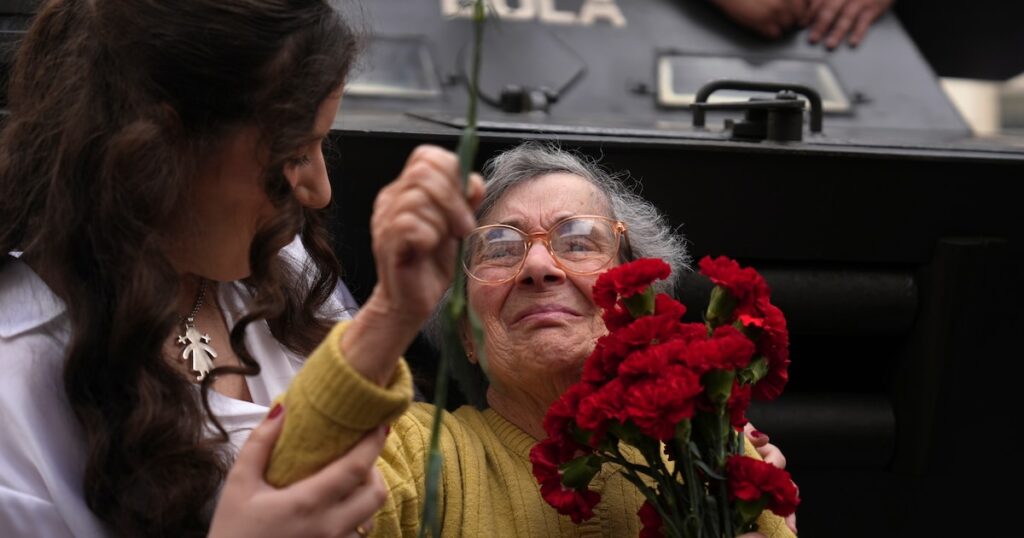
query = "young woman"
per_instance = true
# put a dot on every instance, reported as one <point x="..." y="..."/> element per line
<point x="156" y="158"/>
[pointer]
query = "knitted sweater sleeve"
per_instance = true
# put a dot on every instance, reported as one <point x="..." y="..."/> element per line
<point x="328" y="408"/>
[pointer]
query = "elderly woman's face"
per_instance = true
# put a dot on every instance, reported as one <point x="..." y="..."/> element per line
<point x="228" y="203"/>
<point x="541" y="325"/>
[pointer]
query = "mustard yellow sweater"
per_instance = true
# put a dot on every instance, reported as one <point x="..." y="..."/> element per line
<point x="487" y="486"/>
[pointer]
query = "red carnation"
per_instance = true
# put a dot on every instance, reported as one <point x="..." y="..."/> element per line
<point x="657" y="403"/>
<point x="562" y="413"/>
<point x="773" y="344"/>
<point x="739" y="401"/>
<point x="600" y="407"/>
<point x="579" y="505"/>
<point x="652" y="360"/>
<point x="692" y="332"/>
<point x="745" y="284"/>
<point x="651" y="374"/>
<point x="750" y="479"/>
<point x="616" y="317"/>
<point x="727" y="349"/>
<point x="601" y="365"/>
<point x="627" y="280"/>
<point x="668" y="307"/>
<point x="651" y="521"/>
<point x="546" y="457"/>
<point x="642" y="333"/>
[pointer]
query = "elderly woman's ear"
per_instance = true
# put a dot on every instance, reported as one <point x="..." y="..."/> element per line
<point x="467" y="341"/>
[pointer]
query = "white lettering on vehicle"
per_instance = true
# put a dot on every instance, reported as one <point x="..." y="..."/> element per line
<point x="545" y="11"/>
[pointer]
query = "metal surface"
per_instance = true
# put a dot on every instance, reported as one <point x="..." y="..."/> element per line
<point x="895" y="100"/>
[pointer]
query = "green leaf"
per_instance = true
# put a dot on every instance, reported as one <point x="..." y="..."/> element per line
<point x="641" y="304"/>
<point x="578" y="473"/>
<point x="756" y="371"/>
<point x="708" y="470"/>
<point x="749" y="510"/>
<point x="718" y="386"/>
<point x="580" y="435"/>
<point x="631" y="435"/>
<point x="720" y="307"/>
<point x="683" y="430"/>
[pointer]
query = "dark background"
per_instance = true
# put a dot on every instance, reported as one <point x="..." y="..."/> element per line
<point x="981" y="39"/>
<point x="901" y="283"/>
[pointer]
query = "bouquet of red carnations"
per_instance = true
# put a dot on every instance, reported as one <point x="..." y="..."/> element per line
<point x="676" y="392"/>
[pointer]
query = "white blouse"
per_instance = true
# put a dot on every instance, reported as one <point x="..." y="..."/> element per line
<point x="42" y="456"/>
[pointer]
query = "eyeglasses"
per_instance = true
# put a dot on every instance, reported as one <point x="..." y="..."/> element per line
<point x="582" y="245"/>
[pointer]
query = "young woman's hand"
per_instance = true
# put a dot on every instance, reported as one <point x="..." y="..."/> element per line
<point x="338" y="501"/>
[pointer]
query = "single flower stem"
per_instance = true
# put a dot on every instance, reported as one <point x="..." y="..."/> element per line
<point x="670" y="485"/>
<point x="723" y="494"/>
<point x="693" y="486"/>
<point x="722" y="437"/>
<point x="669" y="514"/>
<point x="430" y="521"/>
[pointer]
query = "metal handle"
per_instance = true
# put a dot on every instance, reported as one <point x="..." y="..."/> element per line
<point x="706" y="90"/>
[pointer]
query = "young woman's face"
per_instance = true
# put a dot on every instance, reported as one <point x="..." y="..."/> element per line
<point x="228" y="203"/>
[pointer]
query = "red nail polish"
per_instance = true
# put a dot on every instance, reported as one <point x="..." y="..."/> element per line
<point x="387" y="429"/>
<point x="756" y="434"/>
<point x="278" y="408"/>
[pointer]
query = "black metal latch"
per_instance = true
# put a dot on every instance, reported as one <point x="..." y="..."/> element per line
<point x="780" y="119"/>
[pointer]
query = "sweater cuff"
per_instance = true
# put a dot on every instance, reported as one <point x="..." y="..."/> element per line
<point x="343" y="395"/>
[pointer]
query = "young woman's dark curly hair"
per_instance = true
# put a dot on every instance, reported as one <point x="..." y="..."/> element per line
<point x="112" y="104"/>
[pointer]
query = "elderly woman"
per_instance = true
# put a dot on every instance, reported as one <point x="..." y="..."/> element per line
<point x="540" y="323"/>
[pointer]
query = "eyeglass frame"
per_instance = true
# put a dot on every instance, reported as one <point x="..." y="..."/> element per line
<point x="621" y="236"/>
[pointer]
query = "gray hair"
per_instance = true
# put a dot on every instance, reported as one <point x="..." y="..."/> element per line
<point x="648" y="231"/>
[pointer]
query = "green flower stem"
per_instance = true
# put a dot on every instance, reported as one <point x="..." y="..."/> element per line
<point x="692" y="485"/>
<point x="683" y="474"/>
<point x="430" y="521"/>
<point x="671" y="485"/>
<point x="669" y="512"/>
<point x="722" y="437"/>
<point x="723" y="494"/>
<point x="631" y="470"/>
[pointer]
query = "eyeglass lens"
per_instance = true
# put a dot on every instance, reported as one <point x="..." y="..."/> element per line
<point x="580" y="244"/>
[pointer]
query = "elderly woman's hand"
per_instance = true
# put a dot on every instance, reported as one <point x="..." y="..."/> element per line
<point x="416" y="225"/>
<point x="768" y="452"/>
<point x="771" y="454"/>
<point x="339" y="499"/>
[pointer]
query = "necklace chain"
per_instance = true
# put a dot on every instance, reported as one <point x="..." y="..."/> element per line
<point x="197" y="344"/>
<point x="191" y="319"/>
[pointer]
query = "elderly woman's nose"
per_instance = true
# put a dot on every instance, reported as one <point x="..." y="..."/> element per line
<point x="540" y="267"/>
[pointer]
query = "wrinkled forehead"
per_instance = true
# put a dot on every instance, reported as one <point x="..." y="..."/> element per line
<point x="540" y="202"/>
